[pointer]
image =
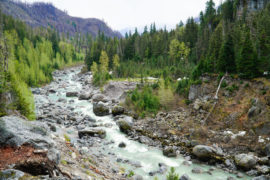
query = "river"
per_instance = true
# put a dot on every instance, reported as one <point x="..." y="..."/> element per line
<point x="148" y="157"/>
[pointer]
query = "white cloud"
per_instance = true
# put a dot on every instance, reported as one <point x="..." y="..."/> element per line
<point x="120" y="14"/>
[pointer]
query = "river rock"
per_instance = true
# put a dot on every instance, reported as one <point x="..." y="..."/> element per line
<point x="72" y="94"/>
<point x="246" y="161"/>
<point x="85" y="96"/>
<point x="124" y="126"/>
<point x="100" y="109"/>
<point x="11" y="174"/>
<point x="203" y="152"/>
<point x="263" y="169"/>
<point x="145" y="140"/>
<point x="169" y="152"/>
<point x="92" y="132"/>
<point x="197" y="170"/>
<point x="118" y="110"/>
<point x="122" y="145"/>
<point x="185" y="177"/>
<point x="262" y="178"/>
<point x="253" y="111"/>
<point x="98" y="98"/>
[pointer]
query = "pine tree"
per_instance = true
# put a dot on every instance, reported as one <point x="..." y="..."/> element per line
<point x="226" y="60"/>
<point x="247" y="62"/>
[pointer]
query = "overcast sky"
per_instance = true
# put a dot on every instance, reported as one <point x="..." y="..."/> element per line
<point x="120" y="14"/>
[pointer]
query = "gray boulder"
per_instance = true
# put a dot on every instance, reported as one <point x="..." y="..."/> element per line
<point x="169" y="152"/>
<point x="11" y="174"/>
<point x="92" y="132"/>
<point x="72" y="94"/>
<point x="15" y="132"/>
<point x="197" y="170"/>
<point x="185" y="177"/>
<point x="85" y="96"/>
<point x="122" y="145"/>
<point x="124" y="126"/>
<point x="100" y="109"/>
<point x="245" y="161"/>
<point x="203" y="152"/>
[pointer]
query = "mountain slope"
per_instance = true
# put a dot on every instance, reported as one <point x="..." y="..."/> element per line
<point x="45" y="14"/>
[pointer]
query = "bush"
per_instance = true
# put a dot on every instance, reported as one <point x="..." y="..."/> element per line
<point x="172" y="175"/>
<point x="144" y="100"/>
<point x="183" y="87"/>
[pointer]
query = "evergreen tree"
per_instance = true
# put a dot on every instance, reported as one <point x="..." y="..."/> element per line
<point x="104" y="62"/>
<point x="226" y="60"/>
<point x="247" y="62"/>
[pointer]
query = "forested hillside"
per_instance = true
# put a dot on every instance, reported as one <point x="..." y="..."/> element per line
<point x="28" y="57"/>
<point x="46" y="15"/>
<point x="232" y="38"/>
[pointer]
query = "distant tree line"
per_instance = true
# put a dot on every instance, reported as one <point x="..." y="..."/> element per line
<point x="222" y="41"/>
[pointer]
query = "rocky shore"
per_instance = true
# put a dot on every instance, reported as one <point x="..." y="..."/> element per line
<point x="67" y="143"/>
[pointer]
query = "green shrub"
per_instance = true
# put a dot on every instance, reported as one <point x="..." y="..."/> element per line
<point x="224" y="84"/>
<point x="144" y="100"/>
<point x="183" y="87"/>
<point x="172" y="175"/>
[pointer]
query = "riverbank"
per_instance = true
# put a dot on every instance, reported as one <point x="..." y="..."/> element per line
<point x="81" y="132"/>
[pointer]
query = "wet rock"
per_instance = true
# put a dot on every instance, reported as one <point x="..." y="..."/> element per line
<point x="169" y="152"/>
<point x="185" y="177"/>
<point x="197" y="170"/>
<point x="85" y="96"/>
<point x="124" y="126"/>
<point x="145" y="140"/>
<point x="11" y="174"/>
<point x="187" y="163"/>
<point x="230" y="178"/>
<point x="92" y="132"/>
<point x="52" y="91"/>
<point x="262" y="178"/>
<point x="229" y="164"/>
<point x="72" y="94"/>
<point x="122" y="145"/>
<point x="100" y="109"/>
<point x="89" y="119"/>
<point x="246" y="161"/>
<point x="203" y="152"/>
<point x="118" y="110"/>
<point x="62" y="100"/>
<point x="162" y="168"/>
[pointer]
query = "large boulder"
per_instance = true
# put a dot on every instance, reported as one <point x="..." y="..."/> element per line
<point x="27" y="146"/>
<point x="124" y="126"/>
<point x="72" y="94"/>
<point x="15" y="132"/>
<point x="92" y="132"/>
<point x="118" y="110"/>
<point x="185" y="177"/>
<point x="203" y="152"/>
<point x="100" y="109"/>
<point x="85" y="96"/>
<point x="246" y="161"/>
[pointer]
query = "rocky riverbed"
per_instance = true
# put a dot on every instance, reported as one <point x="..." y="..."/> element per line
<point x="83" y="133"/>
